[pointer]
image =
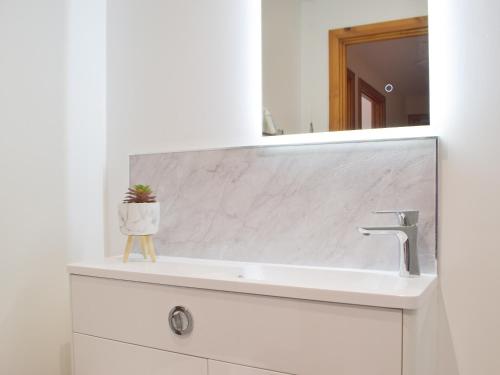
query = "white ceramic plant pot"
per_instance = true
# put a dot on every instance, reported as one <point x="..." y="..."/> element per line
<point x="139" y="219"/>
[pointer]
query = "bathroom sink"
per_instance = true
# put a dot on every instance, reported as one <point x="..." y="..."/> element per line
<point x="360" y="287"/>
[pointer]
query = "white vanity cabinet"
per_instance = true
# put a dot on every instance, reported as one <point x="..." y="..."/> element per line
<point x="279" y="334"/>
<point x="221" y="368"/>
<point x="97" y="356"/>
<point x="122" y="324"/>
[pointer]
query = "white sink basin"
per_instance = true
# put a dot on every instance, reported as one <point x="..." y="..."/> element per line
<point x="371" y="288"/>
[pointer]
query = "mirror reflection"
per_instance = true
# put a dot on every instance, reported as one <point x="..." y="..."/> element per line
<point x="333" y="65"/>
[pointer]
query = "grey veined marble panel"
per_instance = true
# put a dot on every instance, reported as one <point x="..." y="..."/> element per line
<point x="293" y="204"/>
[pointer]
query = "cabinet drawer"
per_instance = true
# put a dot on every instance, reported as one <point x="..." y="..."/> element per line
<point x="222" y="368"/>
<point x="284" y="335"/>
<point x="95" y="356"/>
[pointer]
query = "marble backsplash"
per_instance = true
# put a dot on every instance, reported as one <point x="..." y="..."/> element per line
<point x="293" y="204"/>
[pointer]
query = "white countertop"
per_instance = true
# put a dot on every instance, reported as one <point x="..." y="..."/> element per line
<point x="358" y="287"/>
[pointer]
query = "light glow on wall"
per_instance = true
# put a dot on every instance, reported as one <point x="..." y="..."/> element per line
<point x="253" y="43"/>
<point x="352" y="135"/>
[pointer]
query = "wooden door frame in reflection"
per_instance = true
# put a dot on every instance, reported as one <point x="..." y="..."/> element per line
<point x="340" y="39"/>
<point x="351" y="100"/>
<point x="378" y="101"/>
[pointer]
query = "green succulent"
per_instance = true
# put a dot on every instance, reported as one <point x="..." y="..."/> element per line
<point x="139" y="194"/>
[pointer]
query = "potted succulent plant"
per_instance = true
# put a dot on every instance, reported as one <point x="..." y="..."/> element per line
<point x="139" y="212"/>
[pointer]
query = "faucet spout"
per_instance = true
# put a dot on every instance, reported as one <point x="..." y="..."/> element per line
<point x="386" y="230"/>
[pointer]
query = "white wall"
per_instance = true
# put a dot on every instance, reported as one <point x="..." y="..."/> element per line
<point x="86" y="126"/>
<point x="44" y="187"/>
<point x="34" y="314"/>
<point x="465" y="97"/>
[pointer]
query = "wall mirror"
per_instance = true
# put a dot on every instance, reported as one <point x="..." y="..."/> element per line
<point x="334" y="65"/>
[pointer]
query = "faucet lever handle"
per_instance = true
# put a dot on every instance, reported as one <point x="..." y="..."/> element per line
<point x="405" y="217"/>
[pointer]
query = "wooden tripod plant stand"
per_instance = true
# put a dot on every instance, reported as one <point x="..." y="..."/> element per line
<point x="147" y="247"/>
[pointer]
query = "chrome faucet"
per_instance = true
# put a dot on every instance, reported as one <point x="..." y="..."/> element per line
<point x="406" y="231"/>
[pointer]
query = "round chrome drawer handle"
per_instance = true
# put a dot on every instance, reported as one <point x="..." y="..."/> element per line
<point x="180" y="320"/>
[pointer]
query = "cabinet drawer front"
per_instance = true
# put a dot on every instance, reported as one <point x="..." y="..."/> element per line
<point x="284" y="335"/>
<point x="222" y="368"/>
<point x="95" y="356"/>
